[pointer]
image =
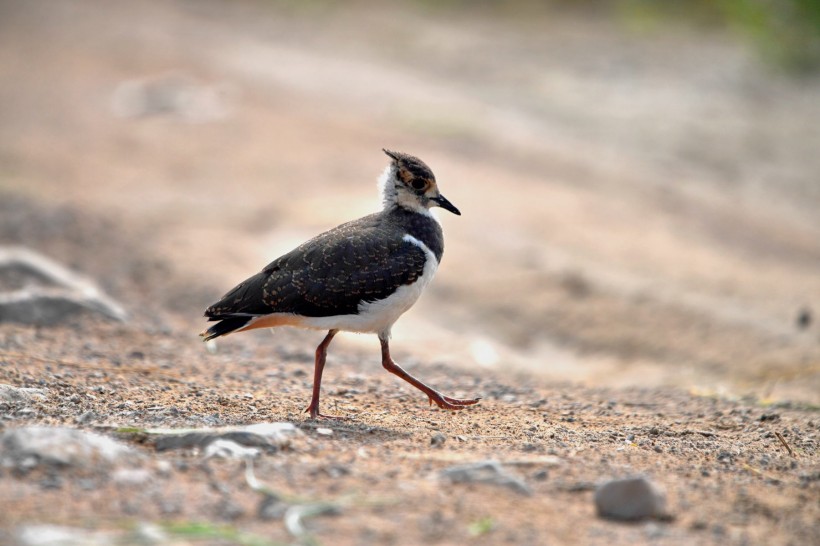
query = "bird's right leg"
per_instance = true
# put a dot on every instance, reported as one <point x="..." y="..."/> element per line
<point x="442" y="401"/>
<point x="319" y="366"/>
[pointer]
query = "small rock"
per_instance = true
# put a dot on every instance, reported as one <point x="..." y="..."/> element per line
<point x="26" y="412"/>
<point x="263" y="435"/>
<point x="86" y="418"/>
<point x="169" y="507"/>
<point x="336" y="470"/>
<point x="324" y="431"/>
<point x="804" y="318"/>
<point x="17" y="395"/>
<point x="164" y="468"/>
<point x="486" y="472"/>
<point x="27" y="447"/>
<point x="541" y="475"/>
<point x="438" y="439"/>
<point x="229" y="510"/>
<point x="630" y="499"/>
<point x="51" y="481"/>
<point x="725" y="456"/>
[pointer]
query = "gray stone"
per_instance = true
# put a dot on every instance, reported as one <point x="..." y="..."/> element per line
<point x="229" y="510"/>
<point x="630" y="499"/>
<point x="41" y="291"/>
<point x="486" y="472"/>
<point x="261" y="435"/>
<point x="27" y="447"/>
<point x="87" y="418"/>
<point x="20" y="395"/>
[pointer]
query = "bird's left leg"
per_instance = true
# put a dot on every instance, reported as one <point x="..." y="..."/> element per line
<point x="442" y="401"/>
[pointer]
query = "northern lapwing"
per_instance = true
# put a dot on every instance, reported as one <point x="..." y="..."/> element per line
<point x="358" y="277"/>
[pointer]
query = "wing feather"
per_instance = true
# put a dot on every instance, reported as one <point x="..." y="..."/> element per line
<point x="331" y="274"/>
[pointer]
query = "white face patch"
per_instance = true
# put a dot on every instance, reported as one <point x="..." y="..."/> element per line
<point x="409" y="200"/>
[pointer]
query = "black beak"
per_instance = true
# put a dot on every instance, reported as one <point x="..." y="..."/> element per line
<point x="445" y="204"/>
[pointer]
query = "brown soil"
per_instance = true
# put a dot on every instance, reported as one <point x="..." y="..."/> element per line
<point x="633" y="312"/>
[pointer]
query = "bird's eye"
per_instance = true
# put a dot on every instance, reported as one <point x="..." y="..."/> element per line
<point x="418" y="184"/>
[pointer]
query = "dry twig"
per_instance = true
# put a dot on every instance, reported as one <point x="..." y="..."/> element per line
<point x="785" y="444"/>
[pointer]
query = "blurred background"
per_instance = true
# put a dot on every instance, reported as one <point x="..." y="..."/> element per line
<point x="639" y="180"/>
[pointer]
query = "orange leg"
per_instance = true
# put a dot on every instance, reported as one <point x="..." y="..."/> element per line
<point x="319" y="366"/>
<point x="444" y="402"/>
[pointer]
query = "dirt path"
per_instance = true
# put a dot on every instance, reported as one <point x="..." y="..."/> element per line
<point x="726" y="475"/>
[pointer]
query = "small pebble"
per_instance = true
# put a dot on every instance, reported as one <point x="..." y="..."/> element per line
<point x="630" y="499"/>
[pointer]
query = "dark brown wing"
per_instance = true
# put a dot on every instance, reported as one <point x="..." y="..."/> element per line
<point x="331" y="274"/>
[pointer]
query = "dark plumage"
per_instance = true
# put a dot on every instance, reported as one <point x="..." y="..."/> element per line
<point x="333" y="273"/>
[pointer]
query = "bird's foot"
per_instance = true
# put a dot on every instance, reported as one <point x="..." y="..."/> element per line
<point x="314" y="414"/>
<point x="446" y="402"/>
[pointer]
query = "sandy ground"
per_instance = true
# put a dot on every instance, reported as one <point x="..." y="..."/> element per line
<point x="639" y="237"/>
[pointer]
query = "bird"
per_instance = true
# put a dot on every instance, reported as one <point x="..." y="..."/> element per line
<point x="360" y="276"/>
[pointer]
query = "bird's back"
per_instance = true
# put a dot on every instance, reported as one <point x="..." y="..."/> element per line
<point x="362" y="261"/>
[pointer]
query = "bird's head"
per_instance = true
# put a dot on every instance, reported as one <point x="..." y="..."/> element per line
<point x="409" y="183"/>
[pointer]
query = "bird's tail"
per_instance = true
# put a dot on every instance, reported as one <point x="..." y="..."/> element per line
<point x="224" y="326"/>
